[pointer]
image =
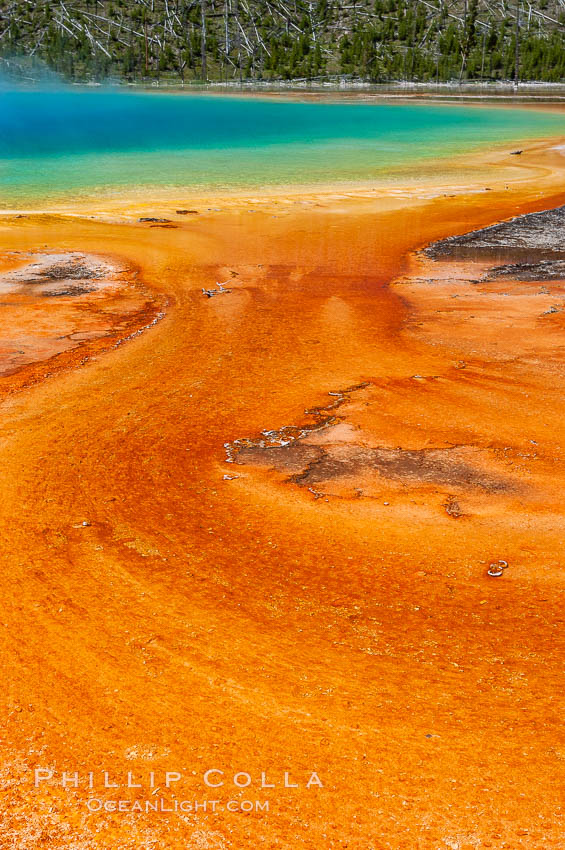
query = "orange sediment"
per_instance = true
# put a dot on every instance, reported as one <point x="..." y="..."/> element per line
<point x="164" y="610"/>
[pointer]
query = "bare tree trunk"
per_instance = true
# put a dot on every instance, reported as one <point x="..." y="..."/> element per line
<point x="464" y="45"/>
<point x="517" y="57"/>
<point x="203" y="40"/>
<point x="237" y="37"/>
<point x="146" y="47"/>
<point x="227" y="26"/>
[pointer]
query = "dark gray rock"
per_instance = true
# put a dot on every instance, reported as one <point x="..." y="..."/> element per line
<point x="535" y="237"/>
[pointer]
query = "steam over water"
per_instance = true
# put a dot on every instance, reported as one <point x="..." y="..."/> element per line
<point x="59" y="144"/>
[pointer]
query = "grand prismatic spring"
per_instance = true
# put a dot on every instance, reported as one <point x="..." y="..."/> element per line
<point x="281" y="445"/>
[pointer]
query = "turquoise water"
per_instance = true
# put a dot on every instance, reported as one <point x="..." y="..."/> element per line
<point x="73" y="144"/>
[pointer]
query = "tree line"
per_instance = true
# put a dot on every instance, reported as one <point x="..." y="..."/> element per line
<point x="215" y="40"/>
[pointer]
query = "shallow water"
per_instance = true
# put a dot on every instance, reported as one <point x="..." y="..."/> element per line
<point x="76" y="144"/>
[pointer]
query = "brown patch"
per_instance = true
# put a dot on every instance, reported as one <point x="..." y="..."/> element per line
<point x="71" y="270"/>
<point x="292" y="458"/>
<point x="324" y="450"/>
<point x="72" y="291"/>
<point x="452" y="507"/>
<point x="434" y="466"/>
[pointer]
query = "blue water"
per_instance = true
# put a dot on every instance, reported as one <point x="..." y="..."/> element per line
<point x="63" y="144"/>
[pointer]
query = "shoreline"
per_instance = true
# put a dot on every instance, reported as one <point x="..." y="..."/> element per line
<point x="542" y="155"/>
<point x="528" y="88"/>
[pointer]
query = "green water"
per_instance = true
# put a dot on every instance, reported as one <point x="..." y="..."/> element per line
<point x="61" y="145"/>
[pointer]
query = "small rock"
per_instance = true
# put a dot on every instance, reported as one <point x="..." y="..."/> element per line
<point x="316" y="493"/>
<point x="220" y="291"/>
<point x="496" y="568"/>
<point x="452" y="507"/>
